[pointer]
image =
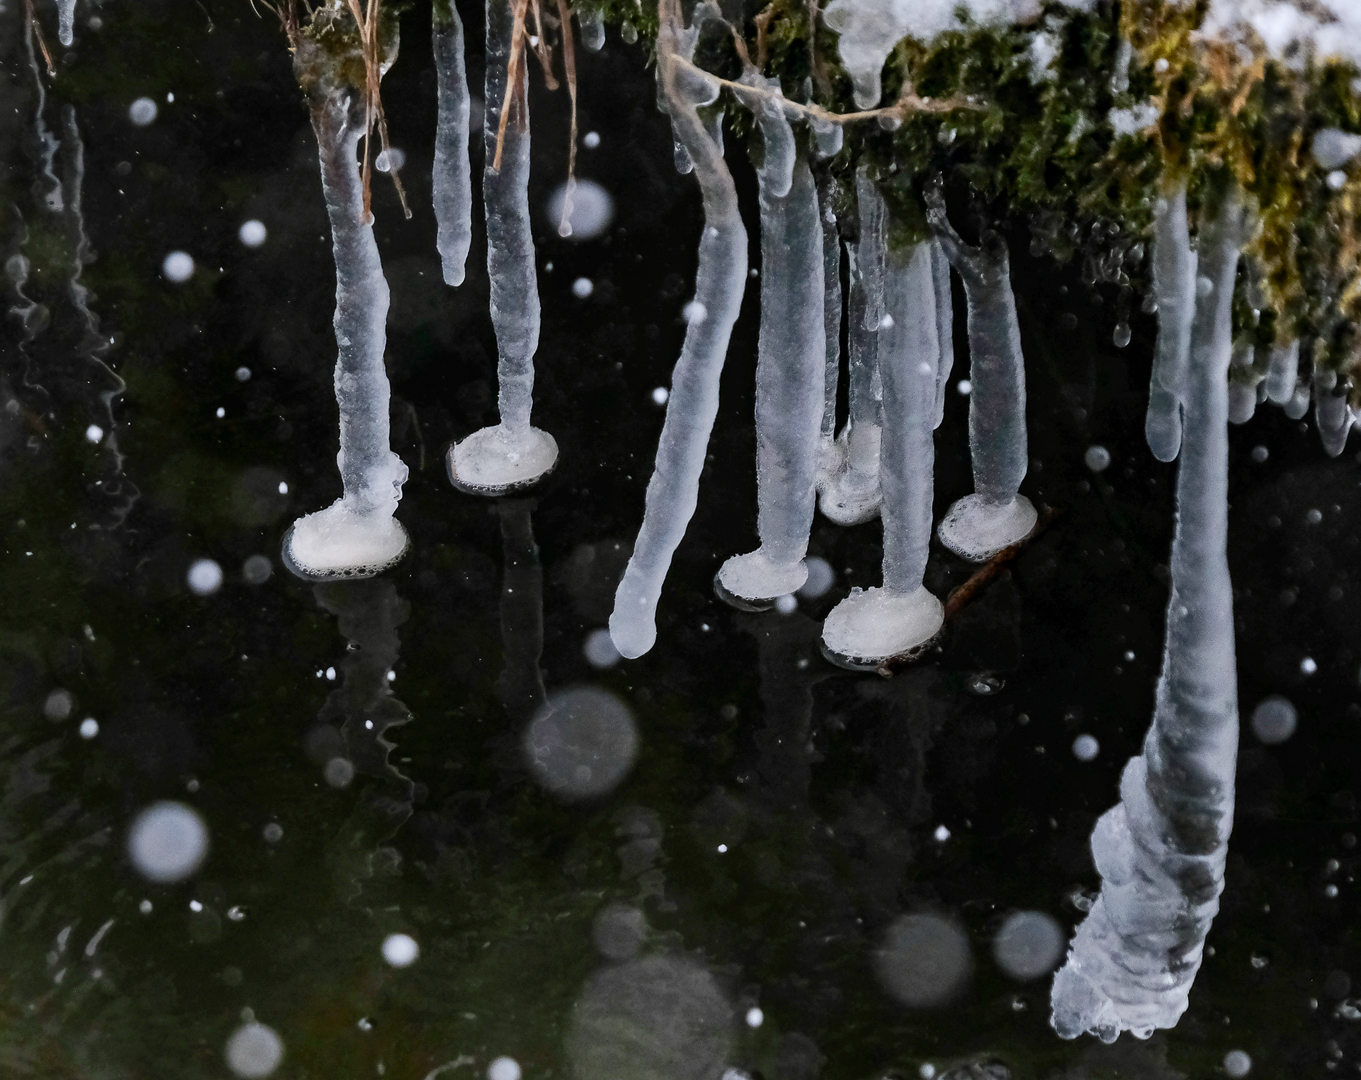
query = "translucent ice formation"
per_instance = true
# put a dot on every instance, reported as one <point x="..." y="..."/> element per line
<point x="792" y="355"/>
<point x="1161" y="851"/>
<point x="994" y="516"/>
<point x="830" y="452"/>
<point x="1174" y="290"/>
<point x="901" y="616"/>
<point x="719" y="282"/>
<point x="356" y="536"/>
<point x="1243" y="381"/>
<point x="511" y="454"/>
<point x="66" y="21"/>
<point x="1283" y="371"/>
<point x="452" y="179"/>
<point x="1330" y="410"/>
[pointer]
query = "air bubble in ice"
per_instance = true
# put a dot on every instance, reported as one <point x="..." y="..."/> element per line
<point x="243" y="374"/>
<point x="1274" y="720"/>
<point x="1120" y="338"/>
<point x="59" y="704"/>
<point x="252" y="233"/>
<point x="1086" y="748"/>
<point x="755" y="1017"/>
<point x="924" y="960"/>
<point x="1237" y="1064"/>
<point x="273" y="832"/>
<point x="254" y="1050"/>
<point x="819" y="580"/>
<point x="1028" y="945"/>
<point x="1308" y="666"/>
<point x="582" y="743"/>
<point x="167" y="841"/>
<point x="178" y="266"/>
<point x="504" y="1068"/>
<point x="400" y="950"/>
<point x="1314" y="517"/>
<point x="599" y="649"/>
<point x="142" y="111"/>
<point x="582" y="288"/>
<point x="339" y="772"/>
<point x="204" y="577"/>
<point x="1097" y="458"/>
<point x="1260" y="454"/>
<point x="592" y="207"/>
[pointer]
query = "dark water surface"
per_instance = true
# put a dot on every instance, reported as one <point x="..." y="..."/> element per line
<point x="355" y="750"/>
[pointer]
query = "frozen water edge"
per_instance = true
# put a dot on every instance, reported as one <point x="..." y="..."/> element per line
<point x="341" y="542"/>
<point x="976" y="529"/>
<point x="755" y="577"/>
<point x="873" y="625"/>
<point x="494" y="461"/>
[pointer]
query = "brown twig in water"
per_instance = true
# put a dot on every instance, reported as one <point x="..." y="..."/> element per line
<point x="513" y="66"/>
<point x="367" y="23"/>
<point x="962" y="595"/>
<point x="37" y="31"/>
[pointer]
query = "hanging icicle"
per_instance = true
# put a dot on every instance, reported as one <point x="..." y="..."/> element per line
<point x="1243" y="383"/>
<point x="1283" y="372"/>
<point x="356" y="536"/>
<point x="792" y="353"/>
<point x="995" y="515"/>
<point x="901" y="616"/>
<point x="452" y="178"/>
<point x="1174" y="291"/>
<point x="512" y="454"/>
<point x="1161" y="850"/>
<point x="1330" y="410"/>
<point x="719" y="283"/>
<point x="830" y="456"/>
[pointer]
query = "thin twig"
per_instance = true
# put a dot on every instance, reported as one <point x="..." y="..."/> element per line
<point x="824" y="84"/>
<point x="569" y="67"/>
<point x="513" y="64"/>
<point x="541" y="47"/>
<point x="37" y="32"/>
<point x="762" y="22"/>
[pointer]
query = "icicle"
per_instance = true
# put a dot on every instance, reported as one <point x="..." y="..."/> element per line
<point x="1242" y="385"/>
<point x="592" y="28"/>
<point x="828" y="137"/>
<point x="453" y="191"/>
<point x="1298" y="404"/>
<point x="1282" y="372"/>
<point x="1174" y="290"/>
<point x="776" y="171"/>
<point x="356" y="535"/>
<point x="66" y="21"/>
<point x="945" y="326"/>
<point x="1161" y="850"/>
<point x="719" y="283"/>
<point x="512" y="454"/>
<point x="789" y="398"/>
<point x="830" y="452"/>
<point x="995" y="516"/>
<point x="851" y="495"/>
<point x="900" y="617"/>
<point x="1330" y="410"/>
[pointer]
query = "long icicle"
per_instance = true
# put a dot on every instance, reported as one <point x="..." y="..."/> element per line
<point x="945" y="325"/>
<point x="995" y="515"/>
<point x="792" y="351"/>
<point x="512" y="454"/>
<point x="1161" y="850"/>
<point x="897" y="619"/>
<point x="1174" y="290"/>
<point x="357" y="534"/>
<point x="719" y="283"/>
<point x="829" y="455"/>
<point x="452" y="181"/>
<point x="1283" y="372"/>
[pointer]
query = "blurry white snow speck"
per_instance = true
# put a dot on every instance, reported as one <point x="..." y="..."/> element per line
<point x="787" y="604"/>
<point x="927" y="1071"/>
<point x="886" y="323"/>
<point x="204" y="577"/>
<point x="599" y="649"/>
<point x="400" y="950"/>
<point x="1337" y="179"/>
<point x="1307" y="666"/>
<point x="722" y="849"/>
<point x="694" y="313"/>
<point x="1274" y="719"/>
<point x="89" y="728"/>
<point x="924" y="960"/>
<point x="1097" y="458"/>
<point x="178" y="266"/>
<point x="1237" y="1064"/>
<point x="590" y="140"/>
<point x="660" y="395"/>
<point x="59" y="704"/>
<point x="167" y="841"/>
<point x="592" y="209"/>
<point x="283" y="487"/>
<point x="755" y="1017"/>
<point x="1028" y="945"/>
<point x="964" y="387"/>
<point x="390" y="160"/>
<point x="582" y="288"/>
<point x="256" y="570"/>
<point x="94" y="433"/>
<point x="582" y="743"/>
<point x="254" y="1050"/>
<point x="1260" y="454"/>
<point x="170" y="98"/>
<point x="243" y="374"/>
<point x="252" y="233"/>
<point x="942" y="834"/>
<point x="145" y="907"/>
<point x="221" y="412"/>
<point x="1085" y="748"/>
<point x="819" y="580"/>
<point x="273" y="832"/>
<point x="339" y="772"/>
<point x="504" y="1068"/>
<point x="142" y="111"/>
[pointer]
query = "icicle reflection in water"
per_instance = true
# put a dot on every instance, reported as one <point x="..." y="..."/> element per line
<point x="452" y="176"/>
<point x="512" y="454"/>
<point x="789" y="395"/>
<point x="357" y="534"/>
<point x="720" y="281"/>
<point x="1161" y="850"/>
<point x="520" y="684"/>
<point x="995" y="515"/>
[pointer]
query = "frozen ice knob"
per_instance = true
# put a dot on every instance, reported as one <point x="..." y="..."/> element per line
<point x="977" y="528"/>
<point x="875" y="625"/>
<point x="497" y="460"/>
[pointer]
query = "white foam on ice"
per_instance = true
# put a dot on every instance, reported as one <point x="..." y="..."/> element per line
<point x="496" y="459"/>
<point x="977" y="529"/>
<point x="344" y="541"/>
<point x="872" y="625"/>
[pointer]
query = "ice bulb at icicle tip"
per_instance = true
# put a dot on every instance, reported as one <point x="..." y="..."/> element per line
<point x="874" y="625"/>
<point x="977" y="528"/>
<point x="497" y="461"/>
